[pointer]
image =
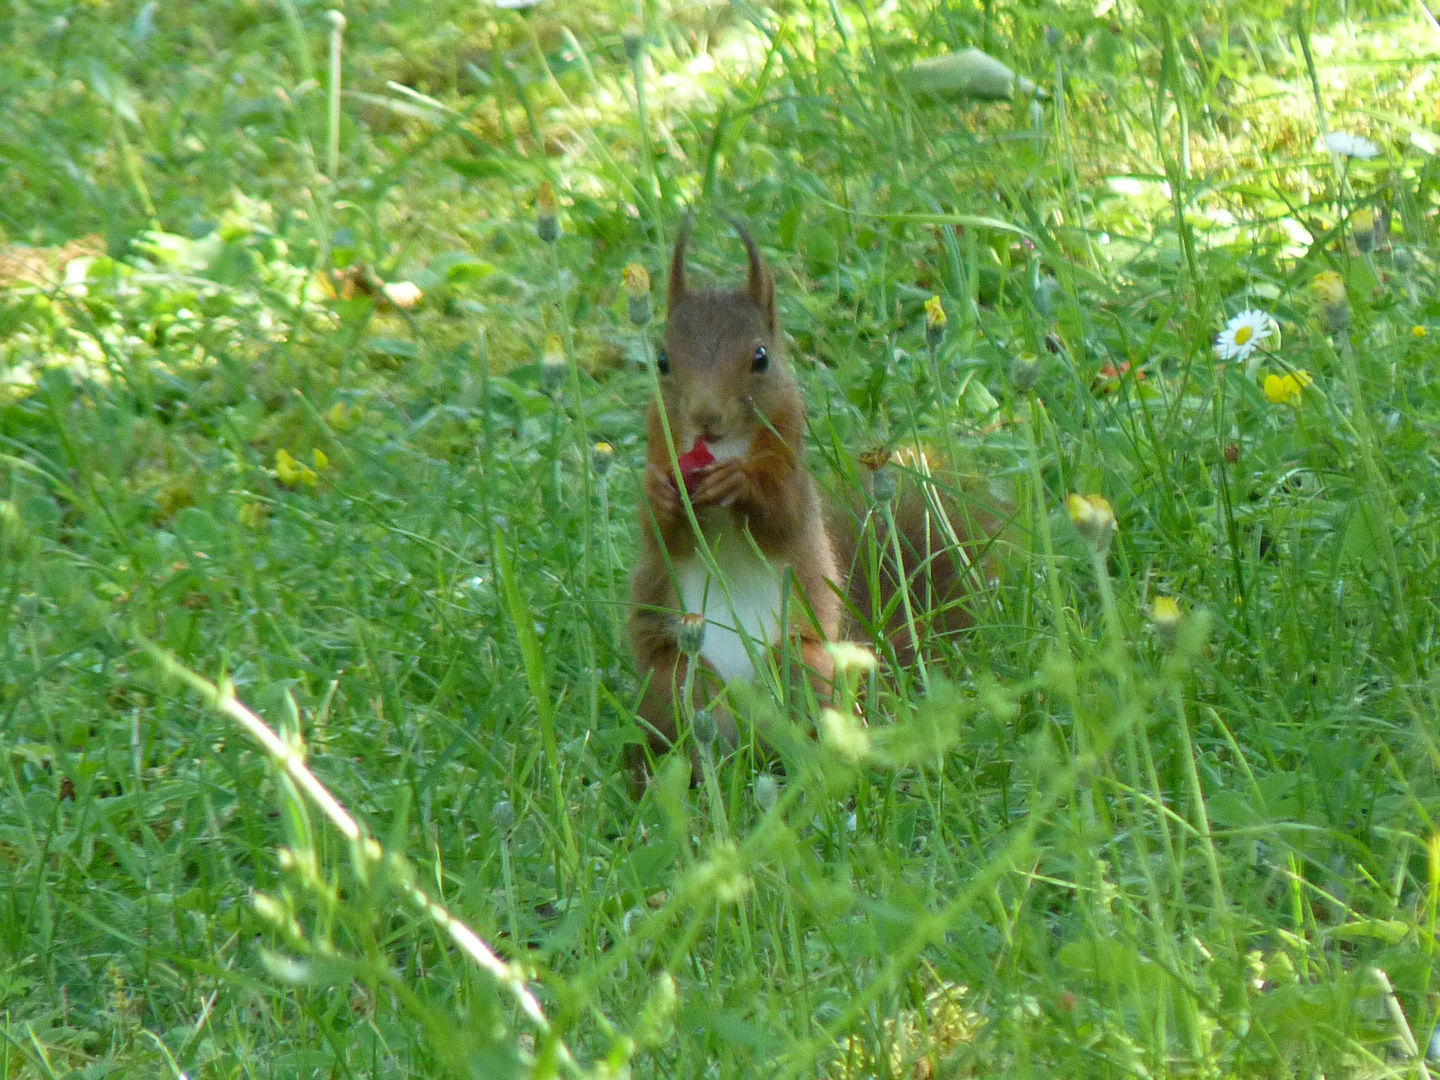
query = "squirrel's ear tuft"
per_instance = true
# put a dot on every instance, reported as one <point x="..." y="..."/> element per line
<point x="761" y="283"/>
<point x="675" y="292"/>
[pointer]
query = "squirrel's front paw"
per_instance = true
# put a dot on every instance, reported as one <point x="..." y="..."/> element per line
<point x="721" y="484"/>
<point x="661" y="492"/>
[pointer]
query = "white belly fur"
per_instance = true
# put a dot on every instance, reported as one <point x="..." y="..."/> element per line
<point x="746" y="606"/>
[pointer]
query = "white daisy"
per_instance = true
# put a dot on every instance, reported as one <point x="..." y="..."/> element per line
<point x="1242" y="335"/>
<point x="1347" y="145"/>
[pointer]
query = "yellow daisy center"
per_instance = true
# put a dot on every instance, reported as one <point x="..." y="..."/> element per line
<point x="1243" y="334"/>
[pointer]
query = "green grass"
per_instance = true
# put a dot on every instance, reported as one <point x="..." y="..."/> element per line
<point x="1093" y="849"/>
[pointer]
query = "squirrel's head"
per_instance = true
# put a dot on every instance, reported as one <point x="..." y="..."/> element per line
<point x="723" y="360"/>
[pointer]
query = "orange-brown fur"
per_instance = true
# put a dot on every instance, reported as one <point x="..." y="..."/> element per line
<point x="710" y="339"/>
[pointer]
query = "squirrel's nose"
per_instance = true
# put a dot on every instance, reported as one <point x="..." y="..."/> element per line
<point x="706" y="419"/>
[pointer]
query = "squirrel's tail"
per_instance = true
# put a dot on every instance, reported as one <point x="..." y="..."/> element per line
<point x="946" y="531"/>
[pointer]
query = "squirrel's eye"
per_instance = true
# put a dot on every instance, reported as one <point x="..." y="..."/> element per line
<point x="662" y="361"/>
<point x="761" y="360"/>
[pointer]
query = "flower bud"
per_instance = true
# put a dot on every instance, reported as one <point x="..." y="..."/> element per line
<point x="1330" y="287"/>
<point x="1025" y="372"/>
<point x="1418" y="331"/>
<point x="883" y="484"/>
<point x="767" y="791"/>
<point x="602" y="456"/>
<point x="633" y="38"/>
<point x="1362" y="226"/>
<point x="547" y="214"/>
<point x="552" y="363"/>
<point x="657" y="1018"/>
<point x="691" y="635"/>
<point x="1164" y="619"/>
<point x="637" y="293"/>
<point x="935" y="320"/>
<point x="1094" y="520"/>
<point x="1047" y="296"/>
<point x="502" y="816"/>
<point x="1405" y="260"/>
<point x="704" y="729"/>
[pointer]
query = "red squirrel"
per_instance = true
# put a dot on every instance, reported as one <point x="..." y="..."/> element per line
<point x="737" y="422"/>
<point x="736" y="414"/>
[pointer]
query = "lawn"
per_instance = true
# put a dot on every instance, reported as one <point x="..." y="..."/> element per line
<point x="315" y="696"/>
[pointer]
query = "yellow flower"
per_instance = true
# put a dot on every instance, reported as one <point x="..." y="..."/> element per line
<point x="935" y="321"/>
<point x="403" y="294"/>
<point x="322" y="460"/>
<point x="1362" y="225"/>
<point x="1164" y="609"/>
<point x="547" y="214"/>
<point x="1165" y="618"/>
<point x="1285" y="389"/>
<point x="1419" y="331"/>
<point x="637" y="293"/>
<point x="1094" y="519"/>
<point x="291" y="472"/>
<point x="340" y="416"/>
<point x="1330" y="287"/>
<point x="636" y="279"/>
<point x="602" y="456"/>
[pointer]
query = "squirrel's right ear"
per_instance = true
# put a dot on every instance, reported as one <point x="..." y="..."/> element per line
<point x="675" y="292"/>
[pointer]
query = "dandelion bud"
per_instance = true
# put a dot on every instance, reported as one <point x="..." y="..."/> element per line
<point x="552" y="363"/>
<point x="1094" y="520"/>
<point x="1025" y="372"/>
<point x="691" y="635"/>
<point x="1405" y="260"/>
<point x="704" y="729"/>
<point x="1053" y="37"/>
<point x="633" y="39"/>
<point x="602" y="456"/>
<point x="884" y="485"/>
<point x="637" y="292"/>
<point x="935" y="320"/>
<point x="657" y="1018"/>
<point x="1047" y="296"/>
<point x="502" y="816"/>
<point x="1330" y="287"/>
<point x="1362" y="225"/>
<point x="14" y="535"/>
<point x="767" y="791"/>
<point x="1164" y="619"/>
<point x="547" y="214"/>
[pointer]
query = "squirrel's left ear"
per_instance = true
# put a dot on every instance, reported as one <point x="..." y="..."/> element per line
<point x="761" y="283"/>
